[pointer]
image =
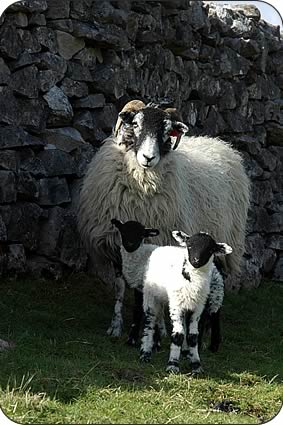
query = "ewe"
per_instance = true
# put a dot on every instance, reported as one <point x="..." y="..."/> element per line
<point x="202" y="185"/>
<point x="178" y="276"/>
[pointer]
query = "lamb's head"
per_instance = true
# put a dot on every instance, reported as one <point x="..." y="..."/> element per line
<point x="152" y="132"/>
<point x="201" y="247"/>
<point x="133" y="233"/>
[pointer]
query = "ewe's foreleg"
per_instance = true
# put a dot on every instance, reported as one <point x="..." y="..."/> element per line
<point x="177" y="338"/>
<point x="116" y="326"/>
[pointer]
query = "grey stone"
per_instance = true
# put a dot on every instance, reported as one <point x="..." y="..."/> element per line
<point x="73" y="88"/>
<point x="34" y="166"/>
<point x="19" y="20"/>
<point x="278" y="271"/>
<point x="269" y="259"/>
<point x="23" y="60"/>
<point x="57" y="163"/>
<point x="10" y="42"/>
<point x="16" y="137"/>
<point x="24" y="81"/>
<point x="78" y="72"/>
<point x="16" y="258"/>
<point x="30" y="6"/>
<point x="65" y="25"/>
<point x="46" y="37"/>
<point x="50" y="233"/>
<point x="83" y="122"/>
<point x="37" y="19"/>
<point x="103" y="35"/>
<point x="53" y="191"/>
<point x="27" y="187"/>
<point x="9" y="110"/>
<point x="92" y="101"/>
<point x="4" y="72"/>
<point x="105" y="118"/>
<point x="32" y="114"/>
<point x="275" y="242"/>
<point x="273" y="111"/>
<point x="68" y="45"/>
<point x="48" y="79"/>
<point x="66" y="139"/>
<point x="3" y="230"/>
<point x="22" y="221"/>
<point x="42" y="268"/>
<point x="29" y="41"/>
<point x="83" y="157"/>
<point x="87" y="57"/>
<point x="275" y="133"/>
<point x="275" y="223"/>
<point x="61" y="111"/>
<point x="49" y="61"/>
<point x="266" y="160"/>
<point x="262" y="192"/>
<point x="8" y="160"/>
<point x="7" y="187"/>
<point x="58" y="9"/>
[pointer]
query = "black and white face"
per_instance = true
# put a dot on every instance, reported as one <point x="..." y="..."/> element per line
<point x="201" y="247"/>
<point x="153" y="129"/>
<point x="133" y="233"/>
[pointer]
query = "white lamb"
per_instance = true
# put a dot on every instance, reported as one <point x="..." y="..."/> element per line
<point x="180" y="276"/>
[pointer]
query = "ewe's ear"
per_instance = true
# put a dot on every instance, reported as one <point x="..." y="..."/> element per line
<point x="116" y="223"/>
<point x="180" y="237"/>
<point x="127" y="116"/>
<point x="151" y="232"/>
<point x="223" y="249"/>
<point x="178" y="129"/>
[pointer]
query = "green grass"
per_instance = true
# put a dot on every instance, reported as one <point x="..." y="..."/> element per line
<point x="64" y="369"/>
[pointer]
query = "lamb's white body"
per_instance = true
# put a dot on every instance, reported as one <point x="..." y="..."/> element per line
<point x="158" y="271"/>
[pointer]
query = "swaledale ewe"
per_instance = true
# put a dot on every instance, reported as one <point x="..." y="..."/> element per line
<point x="178" y="276"/>
<point x="202" y="185"/>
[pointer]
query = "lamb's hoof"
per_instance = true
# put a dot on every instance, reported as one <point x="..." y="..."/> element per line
<point x="172" y="369"/>
<point x="145" y="357"/>
<point x="115" y="329"/>
<point x="196" y="371"/>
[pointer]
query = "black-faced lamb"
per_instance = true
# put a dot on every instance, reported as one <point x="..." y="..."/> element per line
<point x="202" y="185"/>
<point x="180" y="276"/>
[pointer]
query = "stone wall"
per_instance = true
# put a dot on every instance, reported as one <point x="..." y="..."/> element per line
<point x="68" y="66"/>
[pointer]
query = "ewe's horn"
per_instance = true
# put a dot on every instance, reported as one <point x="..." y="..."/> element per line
<point x="132" y="106"/>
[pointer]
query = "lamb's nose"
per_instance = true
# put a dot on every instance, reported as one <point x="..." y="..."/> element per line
<point x="149" y="159"/>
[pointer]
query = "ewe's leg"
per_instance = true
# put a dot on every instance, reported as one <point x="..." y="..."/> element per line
<point x="115" y="328"/>
<point x="192" y="340"/>
<point x="148" y="334"/>
<point x="177" y="338"/>
<point x="137" y="318"/>
<point x="215" y="331"/>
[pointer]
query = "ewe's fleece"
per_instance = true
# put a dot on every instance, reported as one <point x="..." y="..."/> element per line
<point x="202" y="186"/>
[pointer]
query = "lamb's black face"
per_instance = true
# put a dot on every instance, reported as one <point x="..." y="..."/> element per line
<point x="133" y="233"/>
<point x="201" y="247"/>
<point x="152" y="129"/>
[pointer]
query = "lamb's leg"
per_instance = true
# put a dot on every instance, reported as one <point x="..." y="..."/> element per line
<point x="148" y="334"/>
<point x="192" y="340"/>
<point x="177" y="338"/>
<point x="137" y="318"/>
<point x="116" y="326"/>
<point x="215" y="331"/>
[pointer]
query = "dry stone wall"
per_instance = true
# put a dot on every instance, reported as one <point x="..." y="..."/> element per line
<point x="68" y="66"/>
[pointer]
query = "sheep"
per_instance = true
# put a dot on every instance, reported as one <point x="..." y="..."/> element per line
<point x="180" y="276"/>
<point x="200" y="185"/>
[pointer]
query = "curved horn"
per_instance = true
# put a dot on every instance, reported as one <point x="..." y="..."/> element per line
<point x="132" y="106"/>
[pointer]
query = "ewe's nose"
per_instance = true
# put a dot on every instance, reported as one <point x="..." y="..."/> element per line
<point x="149" y="159"/>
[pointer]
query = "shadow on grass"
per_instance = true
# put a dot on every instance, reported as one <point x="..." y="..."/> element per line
<point x="62" y="349"/>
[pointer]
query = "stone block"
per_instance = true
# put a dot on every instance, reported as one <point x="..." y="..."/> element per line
<point x="8" y="160"/>
<point x="53" y="191"/>
<point x="58" y="9"/>
<point x="7" y="187"/>
<point x="57" y="162"/>
<point x="27" y="187"/>
<point x="3" y="230"/>
<point x="72" y="88"/>
<point x="278" y="270"/>
<point x="16" y="259"/>
<point x="60" y="109"/>
<point x="93" y="101"/>
<point x="66" y="139"/>
<point x="24" y="82"/>
<point x="68" y="45"/>
<point x="4" y="72"/>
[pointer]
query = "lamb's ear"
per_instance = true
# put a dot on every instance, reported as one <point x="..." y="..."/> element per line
<point x="116" y="223"/>
<point x="223" y="249"/>
<point x="151" y="232"/>
<point x="180" y="237"/>
<point x="127" y="116"/>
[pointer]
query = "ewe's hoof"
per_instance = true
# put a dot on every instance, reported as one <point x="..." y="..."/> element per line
<point x="172" y="369"/>
<point x="145" y="357"/>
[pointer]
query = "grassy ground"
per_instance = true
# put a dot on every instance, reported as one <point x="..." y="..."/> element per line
<point x="64" y="368"/>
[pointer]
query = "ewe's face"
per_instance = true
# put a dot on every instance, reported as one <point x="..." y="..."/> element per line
<point x="152" y="129"/>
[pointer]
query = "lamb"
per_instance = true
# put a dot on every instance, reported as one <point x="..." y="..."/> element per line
<point x="180" y="276"/>
<point x="202" y="185"/>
